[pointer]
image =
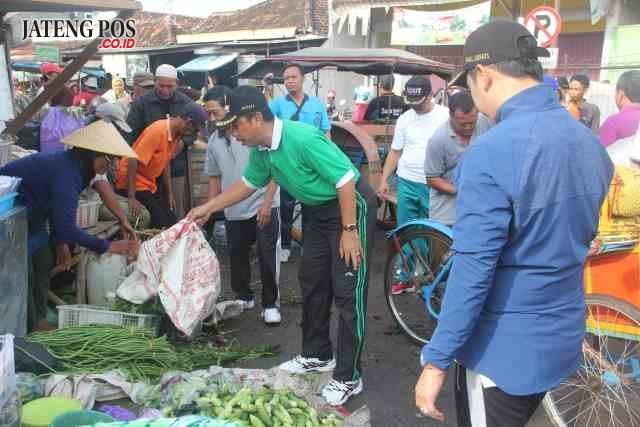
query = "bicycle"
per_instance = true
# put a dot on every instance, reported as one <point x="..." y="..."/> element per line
<point x="605" y="391"/>
<point x="420" y="256"/>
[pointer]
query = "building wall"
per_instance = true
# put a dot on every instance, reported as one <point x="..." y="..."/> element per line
<point x="115" y="64"/>
<point x="342" y="82"/>
<point x="580" y="54"/>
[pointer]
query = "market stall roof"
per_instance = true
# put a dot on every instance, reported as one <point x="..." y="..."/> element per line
<point x="67" y="5"/>
<point x="362" y="61"/>
<point x="206" y="63"/>
<point x="34" y="67"/>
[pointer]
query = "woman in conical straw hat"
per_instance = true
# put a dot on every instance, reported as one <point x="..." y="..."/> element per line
<point x="50" y="188"/>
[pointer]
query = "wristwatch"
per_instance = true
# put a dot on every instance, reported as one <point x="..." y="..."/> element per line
<point x="350" y="227"/>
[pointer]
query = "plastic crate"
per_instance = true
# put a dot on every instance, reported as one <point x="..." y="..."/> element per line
<point x="80" y="315"/>
<point x="7" y="370"/>
<point x="7" y="201"/>
<point x="5" y="151"/>
<point x="87" y="215"/>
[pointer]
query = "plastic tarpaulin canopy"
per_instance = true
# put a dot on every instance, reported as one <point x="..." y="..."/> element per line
<point x="34" y="67"/>
<point x="362" y="61"/>
<point x="207" y="63"/>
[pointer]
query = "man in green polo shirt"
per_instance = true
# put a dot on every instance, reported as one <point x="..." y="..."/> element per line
<point x="339" y="211"/>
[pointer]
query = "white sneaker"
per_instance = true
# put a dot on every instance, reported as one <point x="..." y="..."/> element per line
<point x="303" y="365"/>
<point x="271" y="316"/>
<point x="337" y="392"/>
<point x="285" y="255"/>
<point x="248" y="305"/>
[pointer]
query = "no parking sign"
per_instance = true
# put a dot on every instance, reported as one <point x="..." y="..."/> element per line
<point x="545" y="24"/>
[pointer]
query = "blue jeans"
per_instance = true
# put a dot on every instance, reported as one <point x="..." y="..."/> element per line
<point x="413" y="203"/>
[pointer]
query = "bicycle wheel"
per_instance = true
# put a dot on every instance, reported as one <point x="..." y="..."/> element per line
<point x="416" y="257"/>
<point x="606" y="389"/>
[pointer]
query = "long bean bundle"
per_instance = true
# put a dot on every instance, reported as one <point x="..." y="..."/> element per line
<point x="103" y="348"/>
<point x="201" y="356"/>
<point x="136" y="352"/>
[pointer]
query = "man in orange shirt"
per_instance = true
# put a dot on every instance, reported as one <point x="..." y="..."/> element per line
<point x="155" y="147"/>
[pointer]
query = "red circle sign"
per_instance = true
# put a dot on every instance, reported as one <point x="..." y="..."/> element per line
<point x="545" y="24"/>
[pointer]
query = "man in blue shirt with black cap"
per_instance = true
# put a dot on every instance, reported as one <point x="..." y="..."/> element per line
<point x="529" y="197"/>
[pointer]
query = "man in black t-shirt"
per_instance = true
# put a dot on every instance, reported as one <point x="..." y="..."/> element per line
<point x="386" y="106"/>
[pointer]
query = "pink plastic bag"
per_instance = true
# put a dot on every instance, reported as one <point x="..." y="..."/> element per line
<point x="180" y="267"/>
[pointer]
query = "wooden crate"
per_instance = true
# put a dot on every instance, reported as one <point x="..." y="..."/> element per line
<point x="197" y="178"/>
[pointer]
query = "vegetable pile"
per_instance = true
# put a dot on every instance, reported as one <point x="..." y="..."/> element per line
<point x="264" y="408"/>
<point x="136" y="352"/>
<point x="153" y="306"/>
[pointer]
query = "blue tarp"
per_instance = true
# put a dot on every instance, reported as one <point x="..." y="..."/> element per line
<point x="34" y="67"/>
<point x="206" y="63"/>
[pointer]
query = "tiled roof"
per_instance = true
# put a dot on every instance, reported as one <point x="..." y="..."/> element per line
<point x="160" y="29"/>
<point x="272" y="14"/>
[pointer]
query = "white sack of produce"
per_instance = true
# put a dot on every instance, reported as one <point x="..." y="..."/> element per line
<point x="104" y="274"/>
<point x="179" y="266"/>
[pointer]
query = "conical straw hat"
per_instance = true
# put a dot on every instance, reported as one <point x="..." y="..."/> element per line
<point x="101" y="137"/>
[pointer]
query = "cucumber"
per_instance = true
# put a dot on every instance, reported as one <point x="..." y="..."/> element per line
<point x="283" y="415"/>
<point x="262" y="413"/>
<point x="255" y="421"/>
<point x="297" y="411"/>
<point x="248" y="407"/>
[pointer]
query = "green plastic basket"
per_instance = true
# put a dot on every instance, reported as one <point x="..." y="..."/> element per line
<point x="81" y="418"/>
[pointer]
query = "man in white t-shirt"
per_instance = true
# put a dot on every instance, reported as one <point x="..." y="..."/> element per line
<point x="413" y="131"/>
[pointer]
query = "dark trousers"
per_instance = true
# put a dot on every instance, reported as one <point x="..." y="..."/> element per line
<point x="241" y="235"/>
<point x="161" y="215"/>
<point x="491" y="407"/>
<point x="325" y="278"/>
<point x="40" y="264"/>
<point x="287" y="206"/>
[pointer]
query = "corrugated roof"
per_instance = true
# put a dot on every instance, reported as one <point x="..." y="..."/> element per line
<point x="224" y="36"/>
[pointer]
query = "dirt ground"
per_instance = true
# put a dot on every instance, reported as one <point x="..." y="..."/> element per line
<point x="390" y="361"/>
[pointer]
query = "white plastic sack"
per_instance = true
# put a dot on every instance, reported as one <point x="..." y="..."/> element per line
<point x="104" y="274"/>
<point x="625" y="151"/>
<point x="180" y="267"/>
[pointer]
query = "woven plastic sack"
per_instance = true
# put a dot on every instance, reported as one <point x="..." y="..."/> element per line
<point x="29" y="386"/>
<point x="179" y="266"/>
<point x="624" y="193"/>
<point x="7" y="369"/>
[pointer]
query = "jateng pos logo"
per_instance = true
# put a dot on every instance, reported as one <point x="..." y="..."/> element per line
<point x="115" y="34"/>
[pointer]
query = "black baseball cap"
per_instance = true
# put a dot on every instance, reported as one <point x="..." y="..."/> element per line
<point x="498" y="41"/>
<point x="416" y="90"/>
<point x="244" y="100"/>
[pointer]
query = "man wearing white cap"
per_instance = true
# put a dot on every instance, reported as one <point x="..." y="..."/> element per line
<point x="155" y="105"/>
